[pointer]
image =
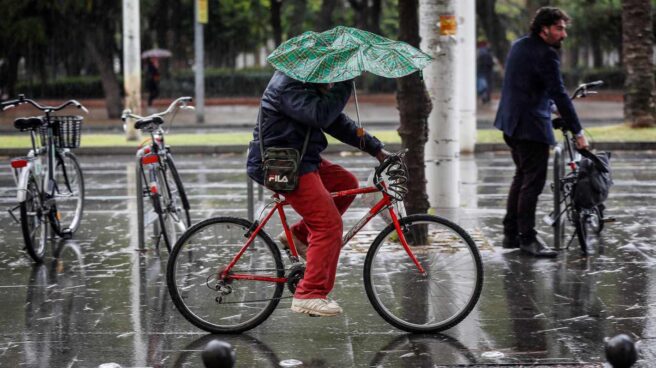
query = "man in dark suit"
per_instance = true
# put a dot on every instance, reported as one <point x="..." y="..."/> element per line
<point x="532" y="84"/>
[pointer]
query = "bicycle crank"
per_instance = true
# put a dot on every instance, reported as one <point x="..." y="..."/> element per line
<point x="296" y="273"/>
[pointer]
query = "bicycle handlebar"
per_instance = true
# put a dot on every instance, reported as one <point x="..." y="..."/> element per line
<point x="584" y="89"/>
<point x="6" y="105"/>
<point x="182" y="101"/>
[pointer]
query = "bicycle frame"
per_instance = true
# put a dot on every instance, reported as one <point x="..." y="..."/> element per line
<point x="381" y="205"/>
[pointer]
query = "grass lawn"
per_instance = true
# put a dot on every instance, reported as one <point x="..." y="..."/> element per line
<point x="611" y="133"/>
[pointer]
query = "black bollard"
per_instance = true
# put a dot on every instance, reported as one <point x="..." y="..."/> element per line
<point x="621" y="351"/>
<point x="218" y="354"/>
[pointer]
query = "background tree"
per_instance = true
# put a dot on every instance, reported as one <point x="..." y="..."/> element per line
<point x="637" y="37"/>
<point x="414" y="106"/>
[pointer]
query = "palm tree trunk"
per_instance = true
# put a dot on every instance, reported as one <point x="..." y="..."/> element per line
<point x="637" y="41"/>
<point x="414" y="106"/>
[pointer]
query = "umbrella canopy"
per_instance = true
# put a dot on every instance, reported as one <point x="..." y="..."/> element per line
<point x="156" y="53"/>
<point x="343" y="53"/>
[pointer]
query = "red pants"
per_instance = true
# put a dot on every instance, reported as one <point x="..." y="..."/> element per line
<point x="321" y="226"/>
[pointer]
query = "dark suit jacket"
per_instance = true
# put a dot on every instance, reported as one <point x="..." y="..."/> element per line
<point x="532" y="82"/>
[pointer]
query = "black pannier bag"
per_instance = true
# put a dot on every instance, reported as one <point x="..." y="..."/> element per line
<point x="594" y="180"/>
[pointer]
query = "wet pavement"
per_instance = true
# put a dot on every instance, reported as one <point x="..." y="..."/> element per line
<point x="100" y="301"/>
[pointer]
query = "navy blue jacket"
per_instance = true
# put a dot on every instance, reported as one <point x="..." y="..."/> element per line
<point x="532" y="82"/>
<point x="289" y="108"/>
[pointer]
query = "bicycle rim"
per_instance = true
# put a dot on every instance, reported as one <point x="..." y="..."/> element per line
<point x="558" y="196"/>
<point x="440" y="298"/>
<point x="169" y="219"/>
<point x="582" y="231"/>
<point x="69" y="195"/>
<point x="34" y="224"/>
<point x="201" y="254"/>
<point x="178" y="192"/>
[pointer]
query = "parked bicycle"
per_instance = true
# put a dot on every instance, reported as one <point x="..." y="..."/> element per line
<point x="585" y="220"/>
<point x="422" y="273"/>
<point x="50" y="194"/>
<point x="157" y="178"/>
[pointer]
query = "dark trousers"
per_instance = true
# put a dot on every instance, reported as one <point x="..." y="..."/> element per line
<point x="531" y="160"/>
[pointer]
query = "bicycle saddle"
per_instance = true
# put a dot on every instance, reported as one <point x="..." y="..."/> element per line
<point x="142" y="123"/>
<point x="23" y="124"/>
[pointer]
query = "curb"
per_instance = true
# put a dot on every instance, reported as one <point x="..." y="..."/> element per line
<point x="333" y="148"/>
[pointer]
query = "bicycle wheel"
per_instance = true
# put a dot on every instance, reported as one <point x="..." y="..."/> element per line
<point x="581" y="220"/>
<point x="229" y="305"/>
<point x="558" y="198"/>
<point x="170" y="221"/>
<point x="180" y="203"/>
<point x="69" y="192"/>
<point x="430" y="302"/>
<point x="34" y="222"/>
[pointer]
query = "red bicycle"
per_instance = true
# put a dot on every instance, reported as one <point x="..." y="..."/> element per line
<point x="422" y="273"/>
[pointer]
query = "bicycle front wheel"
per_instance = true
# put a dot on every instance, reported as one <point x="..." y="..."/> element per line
<point x="436" y="300"/>
<point x="224" y="305"/>
<point x="180" y="202"/>
<point x="69" y="192"/>
<point x="34" y="222"/>
<point x="558" y="200"/>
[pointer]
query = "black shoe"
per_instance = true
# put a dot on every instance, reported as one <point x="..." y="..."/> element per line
<point x="510" y="241"/>
<point x="538" y="248"/>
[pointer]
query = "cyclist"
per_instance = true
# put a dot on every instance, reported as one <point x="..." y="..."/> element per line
<point x="288" y="109"/>
<point x="532" y="83"/>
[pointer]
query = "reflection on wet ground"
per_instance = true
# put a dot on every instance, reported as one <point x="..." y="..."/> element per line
<point x="96" y="300"/>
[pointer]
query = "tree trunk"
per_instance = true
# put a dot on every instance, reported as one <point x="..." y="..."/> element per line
<point x="637" y="41"/>
<point x="374" y="16"/>
<point x="100" y="45"/>
<point x="495" y="31"/>
<point x="276" y="24"/>
<point x="298" y="18"/>
<point x="361" y="9"/>
<point x="324" y="20"/>
<point x="414" y="106"/>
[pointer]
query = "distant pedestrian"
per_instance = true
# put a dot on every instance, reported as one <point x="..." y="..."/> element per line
<point x="484" y="69"/>
<point x="152" y="79"/>
<point x="531" y="84"/>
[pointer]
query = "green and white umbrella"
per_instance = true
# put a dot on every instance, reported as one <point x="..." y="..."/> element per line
<point x="344" y="53"/>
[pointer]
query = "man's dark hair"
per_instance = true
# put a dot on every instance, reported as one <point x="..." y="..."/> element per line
<point x="547" y="16"/>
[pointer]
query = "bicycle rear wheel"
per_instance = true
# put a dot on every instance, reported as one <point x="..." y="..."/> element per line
<point x="69" y="192"/>
<point x="430" y="302"/>
<point x="166" y="205"/>
<point x="34" y="222"/>
<point x="224" y="305"/>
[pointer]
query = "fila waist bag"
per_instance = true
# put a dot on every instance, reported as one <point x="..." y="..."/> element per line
<point x="281" y="166"/>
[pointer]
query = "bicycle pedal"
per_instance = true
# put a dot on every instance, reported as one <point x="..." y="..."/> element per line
<point x="608" y="220"/>
<point x="313" y="315"/>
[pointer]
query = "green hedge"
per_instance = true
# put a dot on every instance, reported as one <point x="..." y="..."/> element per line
<point x="251" y="83"/>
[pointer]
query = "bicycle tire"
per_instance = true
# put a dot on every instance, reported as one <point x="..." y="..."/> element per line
<point x="558" y="196"/>
<point x="139" y="191"/>
<point x="179" y="190"/>
<point x="34" y="223"/>
<point x="385" y="279"/>
<point x="69" y="193"/>
<point x="201" y="253"/>
<point x="168" y="217"/>
<point x="581" y="230"/>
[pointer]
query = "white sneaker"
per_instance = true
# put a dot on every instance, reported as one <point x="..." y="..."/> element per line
<point x="316" y="307"/>
<point x="301" y="247"/>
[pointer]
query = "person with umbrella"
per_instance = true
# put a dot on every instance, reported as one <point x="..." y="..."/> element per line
<point x="308" y="92"/>
<point x="152" y="79"/>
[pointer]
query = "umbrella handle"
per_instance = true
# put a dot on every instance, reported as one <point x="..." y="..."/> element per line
<point x="357" y="108"/>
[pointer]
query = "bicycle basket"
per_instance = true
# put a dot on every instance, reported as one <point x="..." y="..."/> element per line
<point x="66" y="131"/>
<point x="392" y="177"/>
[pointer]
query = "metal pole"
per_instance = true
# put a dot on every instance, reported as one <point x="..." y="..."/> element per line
<point x="438" y="29"/>
<point x="466" y="76"/>
<point x="131" y="63"/>
<point x="198" y="66"/>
